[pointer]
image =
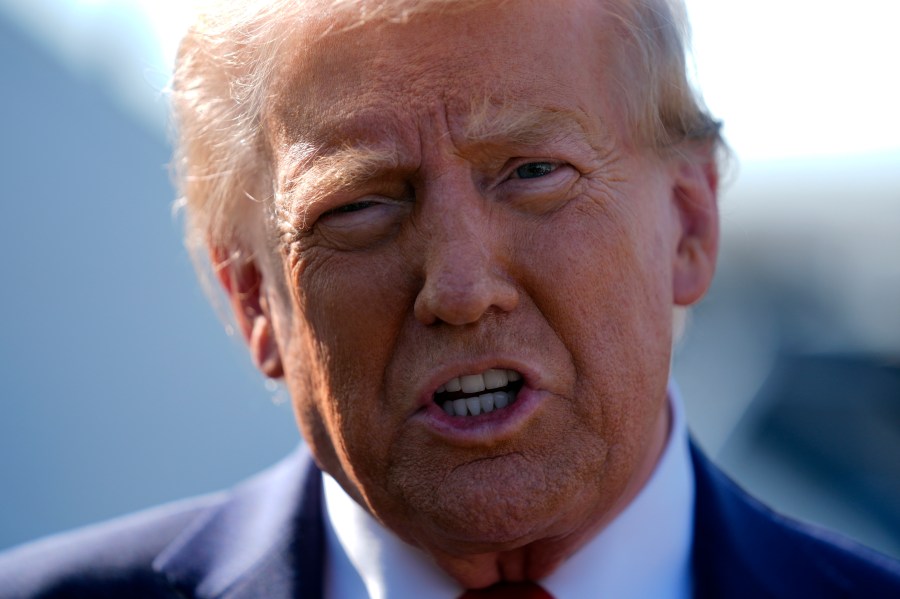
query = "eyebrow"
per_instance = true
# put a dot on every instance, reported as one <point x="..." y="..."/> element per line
<point x="523" y="125"/>
<point x="311" y="174"/>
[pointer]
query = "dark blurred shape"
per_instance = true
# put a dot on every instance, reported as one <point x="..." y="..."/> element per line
<point x="827" y="425"/>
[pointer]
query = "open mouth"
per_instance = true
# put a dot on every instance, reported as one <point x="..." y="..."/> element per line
<point x="475" y="394"/>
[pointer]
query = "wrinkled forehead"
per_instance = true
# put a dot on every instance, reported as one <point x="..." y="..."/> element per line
<point x="348" y="63"/>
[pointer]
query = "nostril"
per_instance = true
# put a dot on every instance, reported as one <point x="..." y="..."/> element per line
<point x="464" y="300"/>
<point x="463" y="276"/>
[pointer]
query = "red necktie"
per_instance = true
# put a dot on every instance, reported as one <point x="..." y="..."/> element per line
<point x="509" y="590"/>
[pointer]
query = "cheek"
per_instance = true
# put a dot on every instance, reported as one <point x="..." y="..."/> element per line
<point x="610" y="268"/>
<point x="348" y="317"/>
<point x="355" y="310"/>
<point x="610" y="303"/>
<point x="304" y="375"/>
<point x="347" y="296"/>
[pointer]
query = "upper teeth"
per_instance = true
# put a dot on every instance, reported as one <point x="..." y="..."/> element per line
<point x="476" y="383"/>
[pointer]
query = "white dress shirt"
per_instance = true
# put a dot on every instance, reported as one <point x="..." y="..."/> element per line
<point x="644" y="553"/>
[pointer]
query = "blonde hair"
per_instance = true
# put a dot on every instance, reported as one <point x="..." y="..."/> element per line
<point x="226" y="62"/>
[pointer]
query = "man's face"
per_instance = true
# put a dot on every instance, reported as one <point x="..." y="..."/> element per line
<point x="465" y="208"/>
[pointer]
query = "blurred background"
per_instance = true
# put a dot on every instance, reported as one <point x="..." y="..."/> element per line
<point x="120" y="387"/>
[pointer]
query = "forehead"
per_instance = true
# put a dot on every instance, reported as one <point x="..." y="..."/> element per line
<point x="340" y="79"/>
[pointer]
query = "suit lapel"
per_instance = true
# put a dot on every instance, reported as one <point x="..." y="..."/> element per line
<point x="742" y="549"/>
<point x="265" y="539"/>
<point x="719" y="552"/>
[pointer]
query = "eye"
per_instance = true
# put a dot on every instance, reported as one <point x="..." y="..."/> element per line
<point x="348" y="208"/>
<point x="362" y="215"/>
<point x="534" y="170"/>
<point x="538" y="186"/>
<point x="361" y="223"/>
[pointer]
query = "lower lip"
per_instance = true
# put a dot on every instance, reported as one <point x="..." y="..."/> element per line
<point x="490" y="427"/>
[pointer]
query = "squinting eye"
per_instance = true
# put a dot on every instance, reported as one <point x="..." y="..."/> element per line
<point x="355" y="207"/>
<point x="533" y="170"/>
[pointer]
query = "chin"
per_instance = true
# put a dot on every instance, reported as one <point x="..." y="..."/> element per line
<point x="494" y="505"/>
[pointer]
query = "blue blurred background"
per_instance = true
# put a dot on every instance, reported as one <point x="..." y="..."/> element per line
<point x="120" y="387"/>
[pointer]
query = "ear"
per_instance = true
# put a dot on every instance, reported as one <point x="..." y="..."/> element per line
<point x="695" y="193"/>
<point x="243" y="283"/>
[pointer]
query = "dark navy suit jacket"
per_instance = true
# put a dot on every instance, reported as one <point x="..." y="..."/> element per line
<point x="265" y="540"/>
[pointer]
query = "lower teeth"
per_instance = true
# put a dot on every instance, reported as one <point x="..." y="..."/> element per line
<point x="475" y="405"/>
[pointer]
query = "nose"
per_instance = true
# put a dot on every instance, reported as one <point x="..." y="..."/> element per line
<point x="465" y="274"/>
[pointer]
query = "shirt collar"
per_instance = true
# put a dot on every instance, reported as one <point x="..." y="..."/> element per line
<point x="652" y="535"/>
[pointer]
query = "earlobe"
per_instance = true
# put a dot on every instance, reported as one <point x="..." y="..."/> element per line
<point x="243" y="284"/>
<point x="695" y="195"/>
<point x="264" y="348"/>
